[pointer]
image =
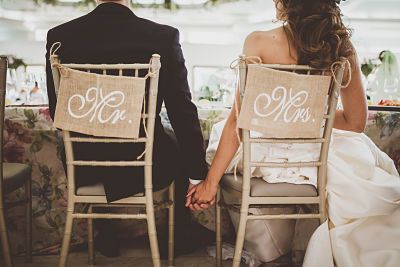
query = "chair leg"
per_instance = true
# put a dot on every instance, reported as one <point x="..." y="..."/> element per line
<point x="171" y="225"/>
<point x="151" y="225"/>
<point x="90" y="238"/>
<point x="218" y="234"/>
<point x="66" y="240"/>
<point x="4" y="239"/>
<point x="322" y="211"/>
<point x="28" y="220"/>
<point x="240" y="235"/>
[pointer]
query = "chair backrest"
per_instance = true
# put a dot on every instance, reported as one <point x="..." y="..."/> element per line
<point x="281" y="104"/>
<point x="3" y="78"/>
<point x="147" y="117"/>
<point x="287" y="131"/>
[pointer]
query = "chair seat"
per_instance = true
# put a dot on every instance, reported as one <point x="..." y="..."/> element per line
<point x="15" y="175"/>
<point x="91" y="190"/>
<point x="260" y="188"/>
<point x="98" y="190"/>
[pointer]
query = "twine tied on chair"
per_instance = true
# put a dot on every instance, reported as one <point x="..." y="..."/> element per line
<point x="149" y="74"/>
<point x="234" y="65"/>
<point x="340" y="62"/>
<point x="144" y="126"/>
<point x="251" y="59"/>
<point x="53" y="50"/>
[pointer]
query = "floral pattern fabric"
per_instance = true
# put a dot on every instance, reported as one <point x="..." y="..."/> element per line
<point x="29" y="137"/>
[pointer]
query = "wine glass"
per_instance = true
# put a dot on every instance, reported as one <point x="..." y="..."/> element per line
<point x="390" y="87"/>
<point x="372" y="88"/>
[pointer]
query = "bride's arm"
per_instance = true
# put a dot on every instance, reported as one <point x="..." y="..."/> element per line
<point x="204" y="193"/>
<point x="353" y="116"/>
<point x="229" y="142"/>
<point x="228" y="145"/>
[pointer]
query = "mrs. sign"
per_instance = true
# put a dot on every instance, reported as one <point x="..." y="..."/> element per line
<point x="289" y="107"/>
<point x="281" y="104"/>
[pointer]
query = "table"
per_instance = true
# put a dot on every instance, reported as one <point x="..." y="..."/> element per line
<point x="30" y="138"/>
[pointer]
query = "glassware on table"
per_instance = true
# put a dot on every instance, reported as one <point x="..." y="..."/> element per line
<point x="36" y="83"/>
<point x="386" y="81"/>
<point x="390" y="87"/>
<point x="372" y="88"/>
<point x="11" y="87"/>
<point x="36" y="96"/>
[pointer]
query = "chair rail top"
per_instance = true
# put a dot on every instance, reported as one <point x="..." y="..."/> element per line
<point x="243" y="58"/>
<point x="105" y="66"/>
<point x="289" y="67"/>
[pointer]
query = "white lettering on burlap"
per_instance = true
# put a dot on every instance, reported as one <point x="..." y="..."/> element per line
<point x="94" y="96"/>
<point x="289" y="108"/>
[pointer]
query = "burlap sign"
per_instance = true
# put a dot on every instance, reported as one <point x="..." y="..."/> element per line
<point x="99" y="105"/>
<point x="282" y="104"/>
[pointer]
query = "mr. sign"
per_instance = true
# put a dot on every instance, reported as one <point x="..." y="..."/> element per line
<point x="100" y="105"/>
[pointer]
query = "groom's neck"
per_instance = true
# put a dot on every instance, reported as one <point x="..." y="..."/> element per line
<point x="121" y="2"/>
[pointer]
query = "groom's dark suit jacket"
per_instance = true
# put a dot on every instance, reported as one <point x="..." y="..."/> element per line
<point x="112" y="33"/>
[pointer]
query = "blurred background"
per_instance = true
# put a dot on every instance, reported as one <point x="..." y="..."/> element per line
<point x="212" y="33"/>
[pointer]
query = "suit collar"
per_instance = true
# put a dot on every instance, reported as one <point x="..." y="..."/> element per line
<point x="113" y="10"/>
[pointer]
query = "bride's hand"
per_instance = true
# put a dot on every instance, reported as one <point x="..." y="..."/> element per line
<point x="203" y="195"/>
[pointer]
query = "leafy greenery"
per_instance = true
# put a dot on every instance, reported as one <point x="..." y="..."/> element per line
<point x="389" y="58"/>
<point x="385" y="56"/>
<point x="55" y="2"/>
<point x="368" y="66"/>
<point x="168" y="4"/>
<point x="31" y="118"/>
<point x="212" y="93"/>
<point x="48" y="2"/>
<point x="88" y="2"/>
<point x="14" y="62"/>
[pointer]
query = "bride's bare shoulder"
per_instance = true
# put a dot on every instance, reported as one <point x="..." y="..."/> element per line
<point x="270" y="35"/>
<point x="261" y="43"/>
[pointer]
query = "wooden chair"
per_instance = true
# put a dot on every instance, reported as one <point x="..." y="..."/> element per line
<point x="13" y="177"/>
<point x="94" y="196"/>
<point x="254" y="192"/>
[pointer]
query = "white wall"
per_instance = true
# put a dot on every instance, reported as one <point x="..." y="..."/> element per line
<point x="31" y="51"/>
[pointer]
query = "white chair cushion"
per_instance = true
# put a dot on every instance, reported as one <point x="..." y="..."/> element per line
<point x="91" y="190"/>
<point x="260" y="188"/>
<point x="98" y="190"/>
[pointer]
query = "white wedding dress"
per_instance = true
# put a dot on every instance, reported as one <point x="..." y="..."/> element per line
<point x="363" y="190"/>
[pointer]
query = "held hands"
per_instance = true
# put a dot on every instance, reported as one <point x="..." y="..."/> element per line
<point x="201" y="196"/>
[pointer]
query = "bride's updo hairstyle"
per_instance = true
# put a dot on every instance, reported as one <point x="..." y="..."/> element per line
<point x="316" y="29"/>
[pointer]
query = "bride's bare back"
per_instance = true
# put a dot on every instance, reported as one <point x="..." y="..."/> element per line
<point x="273" y="47"/>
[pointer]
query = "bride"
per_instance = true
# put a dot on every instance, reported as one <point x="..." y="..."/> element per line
<point x="363" y="185"/>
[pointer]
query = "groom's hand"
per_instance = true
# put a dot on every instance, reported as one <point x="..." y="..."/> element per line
<point x="190" y="203"/>
<point x="189" y="194"/>
<point x="201" y="196"/>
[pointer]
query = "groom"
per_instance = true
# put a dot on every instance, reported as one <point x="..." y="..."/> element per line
<point x="111" y="34"/>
